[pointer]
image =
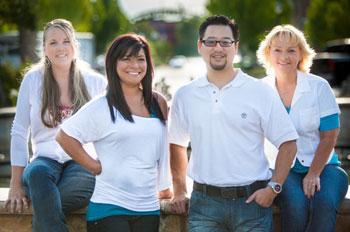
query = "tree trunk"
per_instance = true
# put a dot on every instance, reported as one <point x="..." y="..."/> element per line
<point x="27" y="43"/>
<point x="299" y="12"/>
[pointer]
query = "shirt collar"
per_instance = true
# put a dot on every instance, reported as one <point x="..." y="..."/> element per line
<point x="237" y="82"/>
<point x="302" y="83"/>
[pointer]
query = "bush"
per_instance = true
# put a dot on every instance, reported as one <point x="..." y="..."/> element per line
<point x="10" y="79"/>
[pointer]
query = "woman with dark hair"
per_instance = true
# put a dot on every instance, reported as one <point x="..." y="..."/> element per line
<point x="128" y="129"/>
<point x="50" y="92"/>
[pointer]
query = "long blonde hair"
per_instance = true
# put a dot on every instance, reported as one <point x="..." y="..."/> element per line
<point x="292" y="34"/>
<point x="50" y="113"/>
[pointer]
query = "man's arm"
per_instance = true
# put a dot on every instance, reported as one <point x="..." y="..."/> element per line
<point x="178" y="164"/>
<point x="285" y="157"/>
<point x="287" y="151"/>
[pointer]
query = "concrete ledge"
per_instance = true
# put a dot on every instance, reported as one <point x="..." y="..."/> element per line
<point x="169" y="222"/>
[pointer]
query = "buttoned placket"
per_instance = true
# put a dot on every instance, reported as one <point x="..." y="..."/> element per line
<point x="215" y="97"/>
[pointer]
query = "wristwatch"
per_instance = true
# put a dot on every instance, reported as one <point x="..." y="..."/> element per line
<point x="276" y="187"/>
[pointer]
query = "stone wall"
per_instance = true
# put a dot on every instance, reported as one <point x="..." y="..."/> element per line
<point x="169" y="222"/>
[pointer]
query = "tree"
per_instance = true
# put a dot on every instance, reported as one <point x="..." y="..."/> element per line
<point x="186" y="36"/>
<point x="22" y="14"/>
<point x="107" y="22"/>
<point x="254" y="17"/>
<point x="28" y="16"/>
<point x="160" y="48"/>
<point x="79" y="12"/>
<point x="327" y="20"/>
<point x="299" y="12"/>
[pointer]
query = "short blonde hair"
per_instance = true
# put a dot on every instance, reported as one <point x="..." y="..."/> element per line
<point x="295" y="36"/>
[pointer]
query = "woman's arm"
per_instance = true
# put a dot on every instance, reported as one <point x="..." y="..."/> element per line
<point x="75" y="150"/>
<point x="165" y="194"/>
<point x="17" y="198"/>
<point x="311" y="182"/>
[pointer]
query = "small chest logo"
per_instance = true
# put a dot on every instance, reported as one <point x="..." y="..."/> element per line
<point x="244" y="115"/>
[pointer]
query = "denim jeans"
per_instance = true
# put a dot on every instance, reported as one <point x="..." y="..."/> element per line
<point x="216" y="214"/>
<point x="125" y="224"/>
<point x="55" y="189"/>
<point x="298" y="213"/>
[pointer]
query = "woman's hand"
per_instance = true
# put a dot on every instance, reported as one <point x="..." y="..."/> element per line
<point x="311" y="184"/>
<point x="17" y="200"/>
<point x="165" y="194"/>
<point x="97" y="168"/>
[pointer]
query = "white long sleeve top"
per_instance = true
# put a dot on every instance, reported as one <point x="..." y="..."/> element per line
<point x="27" y="121"/>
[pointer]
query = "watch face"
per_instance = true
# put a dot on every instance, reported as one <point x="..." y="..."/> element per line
<point x="278" y="188"/>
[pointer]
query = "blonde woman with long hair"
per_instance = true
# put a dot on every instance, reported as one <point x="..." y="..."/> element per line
<point x="51" y="91"/>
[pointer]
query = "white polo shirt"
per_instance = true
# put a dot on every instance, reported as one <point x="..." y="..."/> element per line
<point x="227" y="128"/>
<point x="312" y="100"/>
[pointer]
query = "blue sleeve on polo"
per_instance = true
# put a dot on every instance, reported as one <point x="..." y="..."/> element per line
<point x="329" y="122"/>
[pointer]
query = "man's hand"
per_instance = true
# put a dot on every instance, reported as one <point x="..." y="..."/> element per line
<point x="179" y="204"/>
<point x="16" y="200"/>
<point x="263" y="197"/>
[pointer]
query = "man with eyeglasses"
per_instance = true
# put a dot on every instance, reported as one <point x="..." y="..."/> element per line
<point x="226" y="115"/>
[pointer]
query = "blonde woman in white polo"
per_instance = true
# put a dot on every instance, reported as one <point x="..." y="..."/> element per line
<point x="316" y="184"/>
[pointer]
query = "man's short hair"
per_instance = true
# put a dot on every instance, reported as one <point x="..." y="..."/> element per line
<point x="219" y="20"/>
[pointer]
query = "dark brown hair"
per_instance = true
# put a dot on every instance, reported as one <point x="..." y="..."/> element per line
<point x="219" y="20"/>
<point x="129" y="45"/>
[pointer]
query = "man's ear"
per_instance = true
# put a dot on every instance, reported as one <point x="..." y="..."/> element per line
<point x="199" y="46"/>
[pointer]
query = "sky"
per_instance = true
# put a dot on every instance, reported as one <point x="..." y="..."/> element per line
<point x="133" y="8"/>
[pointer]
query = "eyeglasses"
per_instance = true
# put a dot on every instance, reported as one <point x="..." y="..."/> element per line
<point x="212" y="42"/>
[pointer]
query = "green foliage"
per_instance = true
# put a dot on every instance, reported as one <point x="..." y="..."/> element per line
<point x="78" y="12"/>
<point x="186" y="36"/>
<point x="107" y="22"/>
<point x="10" y="79"/>
<point x="253" y="21"/>
<point x="327" y="20"/>
<point x="160" y="48"/>
<point x="19" y="12"/>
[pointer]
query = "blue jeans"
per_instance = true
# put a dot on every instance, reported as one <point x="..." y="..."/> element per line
<point x="55" y="189"/>
<point x="216" y="214"/>
<point x="298" y="213"/>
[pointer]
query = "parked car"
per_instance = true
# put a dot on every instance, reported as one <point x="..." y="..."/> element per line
<point x="9" y="47"/>
<point x="333" y="63"/>
<point x="177" y="61"/>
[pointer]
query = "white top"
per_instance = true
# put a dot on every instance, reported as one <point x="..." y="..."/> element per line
<point x="227" y="127"/>
<point x="134" y="156"/>
<point x="28" y="120"/>
<point x="313" y="99"/>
